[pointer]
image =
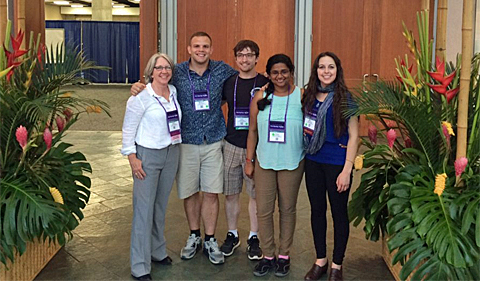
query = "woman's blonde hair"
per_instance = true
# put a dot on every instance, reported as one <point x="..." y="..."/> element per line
<point x="151" y="64"/>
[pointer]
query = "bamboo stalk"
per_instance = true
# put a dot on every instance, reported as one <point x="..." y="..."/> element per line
<point x="425" y="5"/>
<point x="3" y="19"/>
<point x="467" y="52"/>
<point x="441" y="44"/>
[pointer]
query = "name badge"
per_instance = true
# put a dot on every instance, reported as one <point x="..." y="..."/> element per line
<point x="309" y="121"/>
<point x="173" y="121"/>
<point x="241" y="118"/>
<point x="201" y="100"/>
<point x="276" y="131"/>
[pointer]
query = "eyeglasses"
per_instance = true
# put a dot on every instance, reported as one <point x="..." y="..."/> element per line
<point x="248" y="55"/>
<point x="161" y="67"/>
<point x="284" y="72"/>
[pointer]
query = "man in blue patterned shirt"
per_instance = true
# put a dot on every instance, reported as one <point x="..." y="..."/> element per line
<point x="199" y="82"/>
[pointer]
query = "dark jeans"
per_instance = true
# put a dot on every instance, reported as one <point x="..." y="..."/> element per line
<point x="320" y="180"/>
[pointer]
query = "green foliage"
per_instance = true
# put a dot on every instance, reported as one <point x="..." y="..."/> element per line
<point x="31" y="96"/>
<point x="411" y="193"/>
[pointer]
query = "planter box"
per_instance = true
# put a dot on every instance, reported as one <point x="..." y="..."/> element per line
<point x="27" y="266"/>
<point x="388" y="257"/>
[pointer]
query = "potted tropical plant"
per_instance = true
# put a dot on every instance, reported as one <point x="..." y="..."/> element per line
<point x="44" y="183"/>
<point x="414" y="191"/>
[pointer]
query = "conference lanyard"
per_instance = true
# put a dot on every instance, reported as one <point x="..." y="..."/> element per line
<point x="241" y="115"/>
<point x="201" y="99"/>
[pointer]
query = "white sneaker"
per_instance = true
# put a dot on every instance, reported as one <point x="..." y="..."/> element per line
<point x="193" y="245"/>
<point x="210" y="249"/>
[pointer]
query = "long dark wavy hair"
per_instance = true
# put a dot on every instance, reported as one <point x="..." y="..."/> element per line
<point x="278" y="58"/>
<point x="339" y="98"/>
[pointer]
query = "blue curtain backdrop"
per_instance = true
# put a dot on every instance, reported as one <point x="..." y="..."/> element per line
<point x="112" y="44"/>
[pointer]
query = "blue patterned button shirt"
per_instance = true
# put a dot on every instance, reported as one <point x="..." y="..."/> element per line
<point x="198" y="126"/>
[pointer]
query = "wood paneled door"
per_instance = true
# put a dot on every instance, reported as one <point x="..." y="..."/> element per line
<point x="271" y="24"/>
<point x="365" y="34"/>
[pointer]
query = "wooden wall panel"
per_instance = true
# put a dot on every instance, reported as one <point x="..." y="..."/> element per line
<point x="213" y="17"/>
<point x="344" y="28"/>
<point x="269" y="23"/>
<point x="388" y="41"/>
<point x="148" y="32"/>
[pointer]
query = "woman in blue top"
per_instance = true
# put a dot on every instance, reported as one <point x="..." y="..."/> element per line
<point x="275" y="137"/>
<point x="331" y="146"/>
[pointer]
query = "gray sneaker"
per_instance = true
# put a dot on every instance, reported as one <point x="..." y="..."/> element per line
<point x="194" y="244"/>
<point x="211" y="250"/>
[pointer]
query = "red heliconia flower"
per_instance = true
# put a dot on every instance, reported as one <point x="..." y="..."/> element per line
<point x="450" y="94"/>
<point x="408" y="142"/>
<point x="391" y="136"/>
<point x="47" y="137"/>
<point x="460" y="165"/>
<point x="372" y="134"/>
<point x="68" y="114"/>
<point x="15" y="53"/>
<point x="21" y="134"/>
<point x="402" y="63"/>
<point x="60" y="123"/>
<point x="40" y="52"/>
<point x="444" y="81"/>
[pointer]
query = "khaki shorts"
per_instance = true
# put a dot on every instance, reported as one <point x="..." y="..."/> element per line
<point x="200" y="169"/>
<point x="234" y="162"/>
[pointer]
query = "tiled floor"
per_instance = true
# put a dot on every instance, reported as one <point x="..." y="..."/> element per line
<point x="100" y="247"/>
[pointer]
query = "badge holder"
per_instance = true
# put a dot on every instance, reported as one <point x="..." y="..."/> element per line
<point x="276" y="132"/>
<point x="201" y="101"/>
<point x="241" y="118"/>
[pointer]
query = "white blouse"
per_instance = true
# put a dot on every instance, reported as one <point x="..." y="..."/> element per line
<point x="145" y="120"/>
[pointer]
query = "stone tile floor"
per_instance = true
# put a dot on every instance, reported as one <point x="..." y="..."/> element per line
<point x="99" y="249"/>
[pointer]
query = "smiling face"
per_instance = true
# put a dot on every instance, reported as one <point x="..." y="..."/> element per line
<point x="280" y="74"/>
<point x="200" y="49"/>
<point x="162" y="72"/>
<point x="246" y="60"/>
<point x="326" y="71"/>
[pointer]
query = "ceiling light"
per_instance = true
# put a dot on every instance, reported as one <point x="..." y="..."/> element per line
<point x="76" y="5"/>
<point x="61" y="2"/>
<point x="118" y="6"/>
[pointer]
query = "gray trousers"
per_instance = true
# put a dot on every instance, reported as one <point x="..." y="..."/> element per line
<point x="150" y="199"/>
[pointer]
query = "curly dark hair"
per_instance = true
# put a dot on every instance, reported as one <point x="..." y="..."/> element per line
<point x="278" y="58"/>
<point x="339" y="99"/>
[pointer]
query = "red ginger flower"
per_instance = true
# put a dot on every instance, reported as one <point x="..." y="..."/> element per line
<point x="460" y="165"/>
<point x="60" y="123"/>
<point x="21" y="134"/>
<point x="391" y="136"/>
<point x="444" y="81"/>
<point x="372" y="134"/>
<point x="47" y="137"/>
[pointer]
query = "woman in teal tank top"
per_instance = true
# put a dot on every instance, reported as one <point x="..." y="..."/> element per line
<point x="275" y="137"/>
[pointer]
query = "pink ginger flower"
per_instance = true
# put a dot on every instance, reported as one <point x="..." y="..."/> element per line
<point x="372" y="134"/>
<point x="68" y="114"/>
<point x="391" y="136"/>
<point x="408" y="142"/>
<point x="460" y="165"/>
<point x="21" y="134"/>
<point x="47" y="137"/>
<point x="60" y="123"/>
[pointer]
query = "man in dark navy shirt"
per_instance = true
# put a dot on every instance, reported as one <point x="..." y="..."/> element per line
<point x="238" y="92"/>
